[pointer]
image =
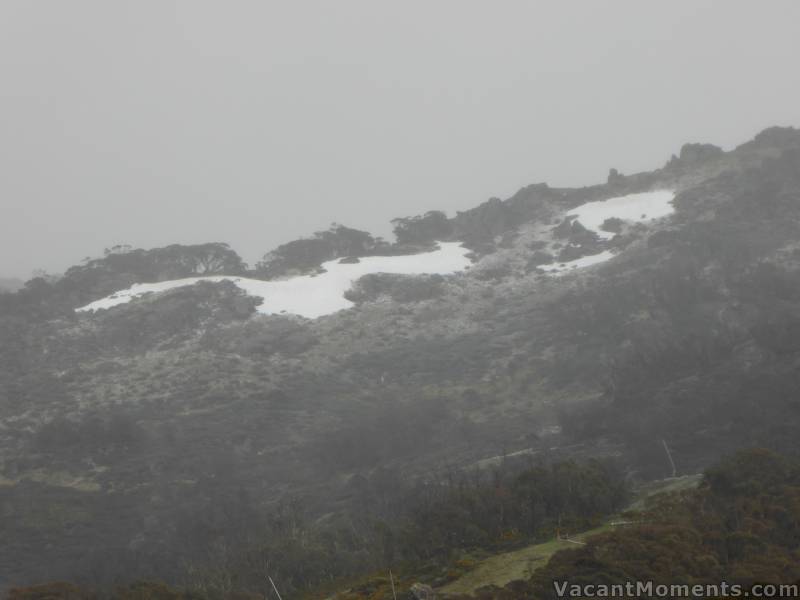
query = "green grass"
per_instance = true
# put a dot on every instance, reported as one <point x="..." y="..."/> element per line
<point x="673" y="484"/>
<point x="501" y="569"/>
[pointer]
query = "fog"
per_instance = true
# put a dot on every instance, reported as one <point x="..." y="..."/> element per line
<point x="254" y="123"/>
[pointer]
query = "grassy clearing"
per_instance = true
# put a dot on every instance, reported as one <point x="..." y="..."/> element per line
<point x="501" y="569"/>
<point x="672" y="484"/>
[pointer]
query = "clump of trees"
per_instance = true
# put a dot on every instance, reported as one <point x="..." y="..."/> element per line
<point x="122" y="266"/>
<point x="422" y="229"/>
<point x="306" y="255"/>
<point x="508" y="510"/>
<point x="118" y="269"/>
<point x="415" y="525"/>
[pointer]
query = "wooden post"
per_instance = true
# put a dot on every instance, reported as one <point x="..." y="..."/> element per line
<point x="391" y="578"/>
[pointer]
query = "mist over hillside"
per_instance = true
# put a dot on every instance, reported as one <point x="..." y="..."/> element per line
<point x="369" y="300"/>
<point x="173" y="414"/>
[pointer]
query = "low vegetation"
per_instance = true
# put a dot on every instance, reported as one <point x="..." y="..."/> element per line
<point x="741" y="525"/>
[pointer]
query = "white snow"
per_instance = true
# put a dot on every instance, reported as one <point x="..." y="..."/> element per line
<point x="642" y="207"/>
<point x="312" y="295"/>
<point x="578" y="263"/>
<point x="645" y="206"/>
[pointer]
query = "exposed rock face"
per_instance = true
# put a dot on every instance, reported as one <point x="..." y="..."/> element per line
<point x="693" y="154"/>
<point x="615" y="177"/>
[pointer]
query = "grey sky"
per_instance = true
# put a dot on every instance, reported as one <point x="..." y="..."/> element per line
<point x="153" y="122"/>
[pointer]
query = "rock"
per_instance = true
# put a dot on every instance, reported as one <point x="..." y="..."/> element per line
<point x="421" y="591"/>
<point x="692" y="154"/>
<point x="612" y="225"/>
<point x="781" y="137"/>
<point x="615" y="177"/>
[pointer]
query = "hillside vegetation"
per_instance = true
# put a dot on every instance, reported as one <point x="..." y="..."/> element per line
<point x="740" y="526"/>
<point x="181" y="435"/>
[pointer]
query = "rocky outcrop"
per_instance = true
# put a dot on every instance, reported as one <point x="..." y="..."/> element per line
<point x="422" y="591"/>
<point x="615" y="177"/>
<point x="694" y="154"/>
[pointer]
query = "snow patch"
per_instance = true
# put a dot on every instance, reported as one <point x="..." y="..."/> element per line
<point x="579" y="263"/>
<point x="637" y="208"/>
<point x="311" y="296"/>
<point x="642" y="207"/>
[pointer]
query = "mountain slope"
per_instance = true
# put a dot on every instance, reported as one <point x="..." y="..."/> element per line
<point x="140" y="430"/>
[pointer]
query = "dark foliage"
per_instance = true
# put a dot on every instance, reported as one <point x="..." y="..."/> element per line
<point x="424" y="229"/>
<point x="400" y="288"/>
<point x="306" y="255"/>
<point x="742" y="527"/>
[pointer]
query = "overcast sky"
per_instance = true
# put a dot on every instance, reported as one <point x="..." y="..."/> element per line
<point x="156" y="122"/>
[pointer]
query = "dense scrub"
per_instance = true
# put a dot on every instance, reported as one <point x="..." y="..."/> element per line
<point x="229" y="545"/>
<point x="741" y="526"/>
<point x="699" y="346"/>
